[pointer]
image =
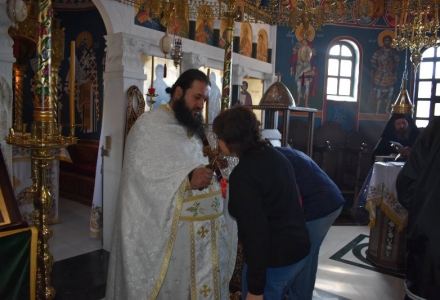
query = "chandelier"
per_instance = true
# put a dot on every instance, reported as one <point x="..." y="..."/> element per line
<point x="176" y="52"/>
<point x="298" y="14"/>
<point x="416" y="26"/>
<point x="304" y="14"/>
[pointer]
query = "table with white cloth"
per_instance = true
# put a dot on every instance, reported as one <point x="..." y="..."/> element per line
<point x="22" y="181"/>
<point x="388" y="218"/>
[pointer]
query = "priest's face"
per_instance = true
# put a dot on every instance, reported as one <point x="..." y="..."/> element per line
<point x="401" y="128"/>
<point x="189" y="106"/>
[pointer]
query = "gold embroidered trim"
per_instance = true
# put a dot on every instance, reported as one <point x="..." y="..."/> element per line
<point x="193" y="261"/>
<point x="169" y="247"/>
<point x="204" y="218"/>
<point x="167" y="108"/>
<point x="214" y="255"/>
<point x="33" y="262"/>
<point x="188" y="185"/>
<point x="230" y="243"/>
<point x="198" y="197"/>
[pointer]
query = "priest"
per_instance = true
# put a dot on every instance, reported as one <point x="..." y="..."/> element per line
<point x="173" y="238"/>
<point x="399" y="135"/>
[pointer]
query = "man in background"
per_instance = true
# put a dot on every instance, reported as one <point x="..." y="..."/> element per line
<point x="322" y="203"/>
<point x="400" y="128"/>
<point x="418" y="190"/>
<point x="171" y="237"/>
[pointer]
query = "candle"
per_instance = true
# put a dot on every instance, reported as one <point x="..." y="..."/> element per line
<point x="152" y="71"/>
<point x="436" y="16"/>
<point x="72" y="83"/>
<point x="151" y="91"/>
<point x="412" y="33"/>
<point x="207" y="120"/>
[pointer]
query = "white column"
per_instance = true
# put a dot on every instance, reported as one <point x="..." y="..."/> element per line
<point x="123" y="69"/>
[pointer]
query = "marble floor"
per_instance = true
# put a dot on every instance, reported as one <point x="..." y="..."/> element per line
<point x="80" y="267"/>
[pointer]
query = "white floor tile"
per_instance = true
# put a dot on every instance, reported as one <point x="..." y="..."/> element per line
<point x="71" y="238"/>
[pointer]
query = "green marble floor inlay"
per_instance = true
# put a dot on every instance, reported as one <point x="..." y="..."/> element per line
<point x="354" y="254"/>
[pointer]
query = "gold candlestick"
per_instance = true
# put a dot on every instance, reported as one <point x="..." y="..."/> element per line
<point x="151" y="101"/>
<point x="42" y="140"/>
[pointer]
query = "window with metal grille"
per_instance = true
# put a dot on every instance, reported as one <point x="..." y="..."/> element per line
<point x="427" y="88"/>
<point x="342" y="71"/>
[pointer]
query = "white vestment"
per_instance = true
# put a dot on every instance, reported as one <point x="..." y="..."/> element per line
<point x="169" y="242"/>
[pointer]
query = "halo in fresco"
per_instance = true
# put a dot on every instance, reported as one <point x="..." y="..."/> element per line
<point x="363" y="12"/>
<point x="84" y="38"/>
<point x="389" y="17"/>
<point x="299" y="30"/>
<point x="384" y="33"/>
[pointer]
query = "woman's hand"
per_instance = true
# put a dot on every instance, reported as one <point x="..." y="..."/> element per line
<point x="250" y="296"/>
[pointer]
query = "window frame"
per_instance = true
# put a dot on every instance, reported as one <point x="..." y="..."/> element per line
<point x="434" y="100"/>
<point x="354" y="78"/>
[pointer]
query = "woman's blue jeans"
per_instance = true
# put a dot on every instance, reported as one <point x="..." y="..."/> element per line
<point x="278" y="280"/>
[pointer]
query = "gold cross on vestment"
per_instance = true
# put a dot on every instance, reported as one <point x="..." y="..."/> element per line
<point x="216" y="158"/>
<point x="202" y="231"/>
<point x="205" y="291"/>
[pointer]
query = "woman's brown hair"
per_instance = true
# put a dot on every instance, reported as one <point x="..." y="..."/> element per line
<point x="239" y="128"/>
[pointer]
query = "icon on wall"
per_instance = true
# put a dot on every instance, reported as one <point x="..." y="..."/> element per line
<point x="303" y="68"/>
<point x="262" y="45"/>
<point x="205" y="25"/>
<point x="246" y="40"/>
<point x="384" y="64"/>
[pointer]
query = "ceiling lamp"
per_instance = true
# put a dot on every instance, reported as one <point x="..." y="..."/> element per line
<point x="403" y="104"/>
<point x="176" y="52"/>
<point x="16" y="10"/>
<point x="166" y="44"/>
<point x="416" y="26"/>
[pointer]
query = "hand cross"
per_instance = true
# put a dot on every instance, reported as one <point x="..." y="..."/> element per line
<point x="216" y="158"/>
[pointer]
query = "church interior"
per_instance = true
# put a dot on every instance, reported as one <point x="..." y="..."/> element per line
<point x="70" y="92"/>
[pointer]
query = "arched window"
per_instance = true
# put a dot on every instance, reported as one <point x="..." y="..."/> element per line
<point x="342" y="71"/>
<point x="427" y="90"/>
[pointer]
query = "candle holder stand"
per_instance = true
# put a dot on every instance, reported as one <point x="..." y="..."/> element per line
<point x="151" y="101"/>
<point x="41" y="141"/>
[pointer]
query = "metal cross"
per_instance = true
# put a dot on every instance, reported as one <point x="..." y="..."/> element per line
<point x="216" y="158"/>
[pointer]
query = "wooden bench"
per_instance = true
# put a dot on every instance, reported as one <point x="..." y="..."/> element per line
<point x="77" y="179"/>
<point x="342" y="157"/>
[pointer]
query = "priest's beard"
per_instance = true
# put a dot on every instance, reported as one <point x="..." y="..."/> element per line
<point x="194" y="124"/>
<point x="402" y="134"/>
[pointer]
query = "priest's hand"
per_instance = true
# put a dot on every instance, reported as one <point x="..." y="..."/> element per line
<point x="405" y="152"/>
<point x="201" y="178"/>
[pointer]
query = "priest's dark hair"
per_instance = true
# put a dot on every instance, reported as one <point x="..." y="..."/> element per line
<point x="389" y="129"/>
<point x="239" y="128"/>
<point x="186" y="80"/>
